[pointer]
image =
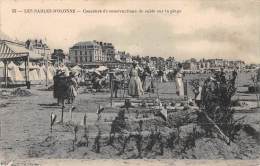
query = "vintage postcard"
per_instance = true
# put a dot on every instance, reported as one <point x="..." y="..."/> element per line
<point x="129" y="82"/>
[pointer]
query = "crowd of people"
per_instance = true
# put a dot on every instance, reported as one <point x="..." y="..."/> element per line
<point x="140" y="79"/>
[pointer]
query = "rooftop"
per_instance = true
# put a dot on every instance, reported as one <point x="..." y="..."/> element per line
<point x="86" y="43"/>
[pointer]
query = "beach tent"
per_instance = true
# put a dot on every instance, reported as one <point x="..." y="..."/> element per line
<point x="14" y="50"/>
<point x="33" y="73"/>
<point x="41" y="73"/>
<point x="49" y="73"/>
<point x="14" y="72"/>
<point x="2" y="69"/>
<point x="52" y="69"/>
<point x="30" y="66"/>
<point x="1" y="64"/>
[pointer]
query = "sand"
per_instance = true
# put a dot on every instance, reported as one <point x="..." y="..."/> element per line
<point x="25" y="129"/>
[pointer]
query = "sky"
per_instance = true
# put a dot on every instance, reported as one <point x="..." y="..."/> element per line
<point x="202" y="28"/>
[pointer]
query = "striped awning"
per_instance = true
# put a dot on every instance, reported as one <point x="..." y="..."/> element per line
<point x="7" y="53"/>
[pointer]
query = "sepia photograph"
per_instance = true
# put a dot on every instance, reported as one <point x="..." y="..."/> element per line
<point x="129" y="82"/>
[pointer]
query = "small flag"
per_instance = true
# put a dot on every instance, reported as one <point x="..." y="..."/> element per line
<point x="85" y="120"/>
<point x="53" y="118"/>
<point x="72" y="109"/>
<point x="163" y="113"/>
<point x="76" y="129"/>
<point x="100" y="109"/>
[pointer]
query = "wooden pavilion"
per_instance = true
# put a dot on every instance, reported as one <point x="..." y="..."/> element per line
<point x="14" y="51"/>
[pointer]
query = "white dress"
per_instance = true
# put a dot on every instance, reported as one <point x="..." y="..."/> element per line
<point x="135" y="84"/>
<point x="179" y="84"/>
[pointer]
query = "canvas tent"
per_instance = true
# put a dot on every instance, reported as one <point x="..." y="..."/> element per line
<point x="14" y="72"/>
<point x="1" y="69"/>
<point x="33" y="73"/>
<point x="10" y="51"/>
<point x="41" y="73"/>
<point x="52" y="69"/>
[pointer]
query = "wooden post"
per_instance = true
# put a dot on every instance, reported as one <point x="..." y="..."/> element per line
<point x="28" y="72"/>
<point x="221" y="134"/>
<point x="6" y="72"/>
<point x="62" y="110"/>
<point x="47" y="71"/>
<point x="157" y="89"/>
<point x="111" y="88"/>
<point x="25" y="71"/>
<point x="186" y="88"/>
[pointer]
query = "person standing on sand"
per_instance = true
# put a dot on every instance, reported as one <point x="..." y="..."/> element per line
<point x="179" y="81"/>
<point x="55" y="87"/>
<point x="59" y="87"/>
<point x="146" y="72"/>
<point x="135" y="85"/>
<point x="116" y="83"/>
<point x="72" y="87"/>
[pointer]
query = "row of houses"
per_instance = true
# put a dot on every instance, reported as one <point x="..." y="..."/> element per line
<point x="102" y="53"/>
<point x="206" y="64"/>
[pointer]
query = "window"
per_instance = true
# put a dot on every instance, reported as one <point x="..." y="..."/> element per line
<point x="90" y="58"/>
<point x="86" y="58"/>
<point x="80" y="52"/>
<point x="76" y="52"/>
<point x="76" y="59"/>
<point x="81" y="59"/>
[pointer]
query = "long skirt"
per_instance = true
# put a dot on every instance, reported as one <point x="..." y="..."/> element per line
<point x="179" y="87"/>
<point x="135" y="87"/>
<point x="72" y="92"/>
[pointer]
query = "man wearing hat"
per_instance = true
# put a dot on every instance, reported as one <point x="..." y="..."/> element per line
<point x="97" y="80"/>
<point x="59" y="86"/>
<point x="116" y="82"/>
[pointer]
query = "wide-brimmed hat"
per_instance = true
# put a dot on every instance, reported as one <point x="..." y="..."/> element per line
<point x="97" y="72"/>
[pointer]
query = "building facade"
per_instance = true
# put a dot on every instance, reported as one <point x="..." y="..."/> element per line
<point x="92" y="51"/>
<point x="38" y="47"/>
<point x="213" y="64"/>
<point x="190" y="65"/>
<point x="124" y="57"/>
<point x="86" y="52"/>
<point x="108" y="51"/>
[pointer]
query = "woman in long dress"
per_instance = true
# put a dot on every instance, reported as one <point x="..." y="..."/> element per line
<point x="135" y="85"/>
<point x="72" y="87"/>
<point x="179" y="81"/>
